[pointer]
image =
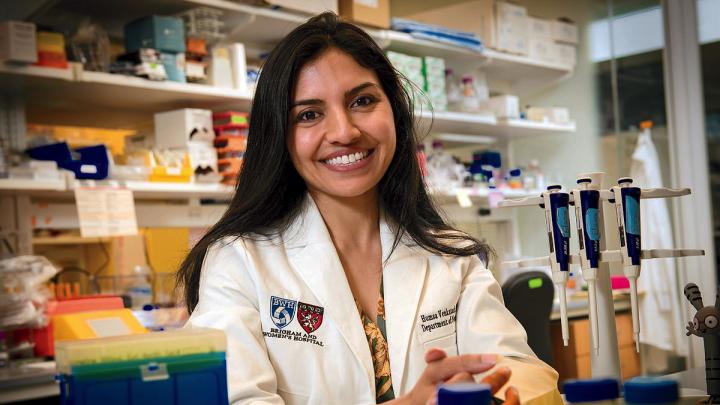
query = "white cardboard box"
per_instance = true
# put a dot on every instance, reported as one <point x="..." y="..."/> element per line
<point x="507" y="106"/>
<point x="511" y="28"/>
<point x="17" y="42"/>
<point x="542" y="50"/>
<point x="556" y="115"/>
<point x="539" y="28"/>
<point x="175" y="129"/>
<point x="564" y="32"/>
<point x="566" y="55"/>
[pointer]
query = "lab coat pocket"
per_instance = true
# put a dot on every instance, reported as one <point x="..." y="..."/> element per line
<point x="447" y="343"/>
<point x="291" y="398"/>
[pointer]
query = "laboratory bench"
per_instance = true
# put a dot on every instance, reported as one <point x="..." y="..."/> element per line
<point x="28" y="382"/>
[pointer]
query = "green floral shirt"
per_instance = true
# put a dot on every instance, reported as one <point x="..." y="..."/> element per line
<point x="377" y="340"/>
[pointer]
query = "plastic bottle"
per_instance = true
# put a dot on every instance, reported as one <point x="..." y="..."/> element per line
<point x="452" y="88"/>
<point x="470" y="103"/>
<point x="515" y="179"/>
<point x="651" y="390"/>
<point x="441" y="168"/>
<point x="140" y="287"/>
<point x="600" y="391"/>
<point x="464" y="394"/>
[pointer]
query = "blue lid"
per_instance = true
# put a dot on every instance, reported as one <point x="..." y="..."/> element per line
<point x="515" y="172"/>
<point x="464" y="394"/>
<point x="599" y="389"/>
<point x="651" y="390"/>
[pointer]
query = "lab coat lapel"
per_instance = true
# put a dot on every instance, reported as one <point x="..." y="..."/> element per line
<point x="312" y="254"/>
<point x="403" y="281"/>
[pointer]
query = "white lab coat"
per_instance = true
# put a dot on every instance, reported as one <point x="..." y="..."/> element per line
<point x="661" y="324"/>
<point x="426" y="296"/>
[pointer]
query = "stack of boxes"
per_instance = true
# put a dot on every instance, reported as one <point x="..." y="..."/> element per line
<point x="427" y="75"/>
<point x="18" y="42"/>
<point x="164" y="34"/>
<point x="231" y="128"/>
<point x="507" y="27"/>
<point x="51" y="50"/>
<point x="189" y="131"/>
<point x="434" y="74"/>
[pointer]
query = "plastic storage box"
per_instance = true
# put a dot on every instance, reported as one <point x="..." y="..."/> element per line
<point x="89" y="163"/>
<point x="183" y="367"/>
<point x="165" y="34"/>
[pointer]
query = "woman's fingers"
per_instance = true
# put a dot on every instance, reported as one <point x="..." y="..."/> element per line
<point x="434" y="354"/>
<point x="463" y="377"/>
<point x="497" y="379"/>
<point x="441" y="370"/>
<point x="512" y="397"/>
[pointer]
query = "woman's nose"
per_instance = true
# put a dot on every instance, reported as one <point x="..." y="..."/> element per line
<point x="341" y="129"/>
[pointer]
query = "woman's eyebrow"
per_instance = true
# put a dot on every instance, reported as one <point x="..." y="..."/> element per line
<point x="349" y="93"/>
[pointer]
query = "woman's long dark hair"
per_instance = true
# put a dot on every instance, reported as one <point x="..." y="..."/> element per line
<point x="270" y="191"/>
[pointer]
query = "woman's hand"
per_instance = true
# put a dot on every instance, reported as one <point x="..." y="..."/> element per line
<point x="442" y="369"/>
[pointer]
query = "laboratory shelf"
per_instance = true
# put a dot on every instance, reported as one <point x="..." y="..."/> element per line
<point x="145" y="190"/>
<point x="113" y="90"/>
<point x="29" y="186"/>
<point x="457" y="123"/>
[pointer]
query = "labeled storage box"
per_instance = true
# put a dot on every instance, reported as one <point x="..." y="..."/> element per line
<point x="165" y="34"/>
<point x="17" y="42"/>
<point x="174" y="129"/>
<point x="182" y="367"/>
<point x="89" y="163"/>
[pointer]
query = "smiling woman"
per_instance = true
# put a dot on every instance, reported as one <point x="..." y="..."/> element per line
<point x="331" y="258"/>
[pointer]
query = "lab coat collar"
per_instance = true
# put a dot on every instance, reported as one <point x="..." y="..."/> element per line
<point x="313" y="255"/>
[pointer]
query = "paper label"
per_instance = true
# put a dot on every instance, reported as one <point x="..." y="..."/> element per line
<point x="463" y="198"/>
<point x="105" y="211"/>
<point x="106" y="327"/>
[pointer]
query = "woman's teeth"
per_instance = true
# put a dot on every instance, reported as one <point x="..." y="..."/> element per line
<point x="347" y="159"/>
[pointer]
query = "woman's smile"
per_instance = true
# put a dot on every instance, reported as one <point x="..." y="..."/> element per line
<point x="348" y="161"/>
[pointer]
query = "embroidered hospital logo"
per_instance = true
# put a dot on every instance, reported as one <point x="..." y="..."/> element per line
<point x="310" y="317"/>
<point x="282" y="311"/>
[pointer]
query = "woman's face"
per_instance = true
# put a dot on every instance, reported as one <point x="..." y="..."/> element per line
<point x="342" y="132"/>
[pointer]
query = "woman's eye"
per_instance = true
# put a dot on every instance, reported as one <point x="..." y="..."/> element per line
<point x="363" y="101"/>
<point x="308" y="116"/>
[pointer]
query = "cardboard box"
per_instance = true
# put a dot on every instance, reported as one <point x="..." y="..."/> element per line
<point x="556" y="115"/>
<point x="566" y="55"/>
<point x="542" y="50"/>
<point x="476" y="16"/>
<point x="540" y="28"/>
<point x="511" y="28"/>
<point x="507" y="106"/>
<point x="310" y="7"/>
<point x="375" y="13"/>
<point x="17" y="42"/>
<point x="175" y="129"/>
<point x="565" y="32"/>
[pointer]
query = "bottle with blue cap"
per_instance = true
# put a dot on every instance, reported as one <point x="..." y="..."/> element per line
<point x="464" y="394"/>
<point x="651" y="390"/>
<point x="598" y="391"/>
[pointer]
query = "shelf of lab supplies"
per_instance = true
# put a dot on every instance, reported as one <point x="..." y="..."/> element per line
<point x="113" y="90"/>
<point x="145" y="190"/>
<point x="449" y="122"/>
<point x="29" y="81"/>
<point x="25" y="186"/>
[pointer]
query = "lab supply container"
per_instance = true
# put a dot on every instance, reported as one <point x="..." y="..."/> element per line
<point x="181" y="367"/>
<point x="88" y="163"/>
<point x="464" y="394"/>
<point x="599" y="391"/>
<point x="165" y="34"/>
<point x="651" y="390"/>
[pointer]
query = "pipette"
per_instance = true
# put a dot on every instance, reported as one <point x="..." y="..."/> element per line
<point x="557" y="218"/>
<point x="587" y="205"/>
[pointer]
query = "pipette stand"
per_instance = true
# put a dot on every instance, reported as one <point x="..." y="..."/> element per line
<point x="705" y="325"/>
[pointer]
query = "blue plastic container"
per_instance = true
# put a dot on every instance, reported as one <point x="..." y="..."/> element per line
<point x="88" y="163"/>
<point x="165" y="34"/>
<point x="651" y="390"/>
<point x="464" y="394"/>
<point x="174" y="64"/>
<point x="594" y="390"/>
<point x="179" y="381"/>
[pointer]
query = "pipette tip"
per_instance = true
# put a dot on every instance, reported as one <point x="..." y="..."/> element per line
<point x="637" y="342"/>
<point x="566" y="341"/>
